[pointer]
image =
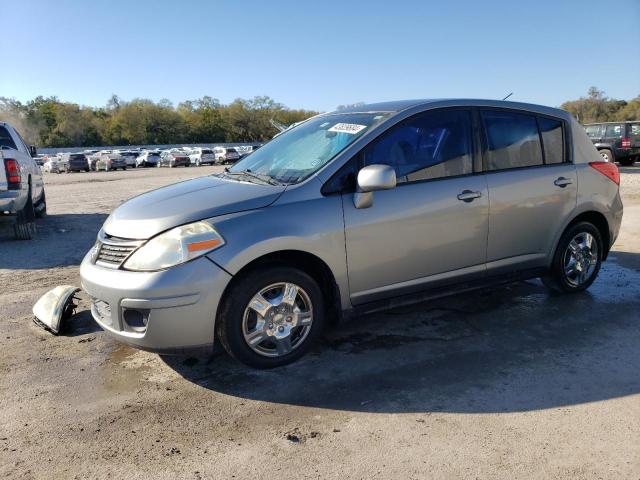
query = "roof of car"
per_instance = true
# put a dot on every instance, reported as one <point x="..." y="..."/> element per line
<point x="618" y="122"/>
<point x="400" y="105"/>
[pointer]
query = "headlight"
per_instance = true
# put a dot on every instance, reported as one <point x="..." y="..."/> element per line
<point x="175" y="246"/>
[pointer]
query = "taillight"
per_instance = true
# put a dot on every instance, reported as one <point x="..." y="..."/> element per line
<point x="626" y="142"/>
<point x="608" y="169"/>
<point x="13" y="173"/>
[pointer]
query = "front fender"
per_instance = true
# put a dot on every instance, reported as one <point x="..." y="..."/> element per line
<point x="313" y="226"/>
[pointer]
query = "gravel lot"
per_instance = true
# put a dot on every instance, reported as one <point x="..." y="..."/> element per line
<point x="507" y="383"/>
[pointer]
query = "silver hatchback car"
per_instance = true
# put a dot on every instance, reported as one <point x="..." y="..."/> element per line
<point x="350" y="212"/>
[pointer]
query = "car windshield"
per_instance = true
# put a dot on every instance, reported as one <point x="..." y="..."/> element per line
<point x="301" y="151"/>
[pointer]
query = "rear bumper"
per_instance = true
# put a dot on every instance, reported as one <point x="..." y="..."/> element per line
<point x="11" y="201"/>
<point x="179" y="304"/>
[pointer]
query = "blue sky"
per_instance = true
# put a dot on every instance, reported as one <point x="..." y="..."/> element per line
<point x="318" y="54"/>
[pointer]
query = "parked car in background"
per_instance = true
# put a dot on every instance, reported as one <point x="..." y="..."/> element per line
<point x="74" y="162"/>
<point x="110" y="161"/>
<point x="350" y="212"/>
<point x="93" y="158"/>
<point x="129" y="157"/>
<point x="616" y="141"/>
<point x="40" y="159"/>
<point x="148" y="158"/>
<point x="22" y="196"/>
<point x="174" y="158"/>
<point x="51" y="165"/>
<point x="225" y="154"/>
<point x="202" y="156"/>
<point x="248" y="150"/>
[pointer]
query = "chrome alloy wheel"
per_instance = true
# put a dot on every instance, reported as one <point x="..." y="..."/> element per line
<point x="277" y="319"/>
<point x="580" y="259"/>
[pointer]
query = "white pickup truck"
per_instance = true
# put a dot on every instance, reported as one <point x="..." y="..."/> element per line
<point x="22" y="197"/>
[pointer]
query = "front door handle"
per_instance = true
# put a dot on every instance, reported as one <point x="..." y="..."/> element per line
<point x="562" y="182"/>
<point x="468" y="196"/>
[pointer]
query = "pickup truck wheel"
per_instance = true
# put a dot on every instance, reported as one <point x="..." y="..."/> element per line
<point x="41" y="206"/>
<point x="606" y="155"/>
<point x="271" y="317"/>
<point x="24" y="228"/>
<point x="577" y="260"/>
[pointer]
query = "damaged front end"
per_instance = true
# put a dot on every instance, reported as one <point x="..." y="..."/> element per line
<point x="54" y="307"/>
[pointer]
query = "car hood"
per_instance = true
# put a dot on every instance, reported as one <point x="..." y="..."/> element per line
<point x="158" y="210"/>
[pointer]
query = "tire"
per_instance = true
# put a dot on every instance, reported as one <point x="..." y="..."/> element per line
<point x="235" y="316"/>
<point x="24" y="228"/>
<point x="558" y="279"/>
<point x="41" y="212"/>
<point x="606" y="155"/>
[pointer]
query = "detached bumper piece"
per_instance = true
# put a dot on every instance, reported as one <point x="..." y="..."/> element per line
<point x="54" y="307"/>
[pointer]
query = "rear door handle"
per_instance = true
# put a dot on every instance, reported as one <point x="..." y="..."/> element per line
<point x="562" y="182"/>
<point x="468" y="196"/>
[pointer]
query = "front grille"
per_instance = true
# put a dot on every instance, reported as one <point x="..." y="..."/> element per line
<point x="113" y="251"/>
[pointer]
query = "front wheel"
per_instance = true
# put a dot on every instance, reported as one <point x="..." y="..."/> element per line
<point x="577" y="260"/>
<point x="271" y="317"/>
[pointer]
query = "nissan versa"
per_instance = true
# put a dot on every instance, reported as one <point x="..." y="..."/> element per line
<point x="353" y="211"/>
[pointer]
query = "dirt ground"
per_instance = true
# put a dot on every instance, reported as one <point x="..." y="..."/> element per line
<point x="506" y="383"/>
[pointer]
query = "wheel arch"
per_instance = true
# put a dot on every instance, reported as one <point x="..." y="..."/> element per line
<point x="599" y="221"/>
<point x="307" y="262"/>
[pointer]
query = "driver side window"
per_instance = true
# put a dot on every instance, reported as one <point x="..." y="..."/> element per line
<point x="432" y="145"/>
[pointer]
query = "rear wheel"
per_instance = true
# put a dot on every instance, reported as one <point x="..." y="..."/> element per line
<point x="41" y="206"/>
<point x="607" y="155"/>
<point x="577" y="260"/>
<point x="271" y="317"/>
<point x="25" y="227"/>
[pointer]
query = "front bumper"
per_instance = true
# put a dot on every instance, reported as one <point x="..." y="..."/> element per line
<point x="178" y="305"/>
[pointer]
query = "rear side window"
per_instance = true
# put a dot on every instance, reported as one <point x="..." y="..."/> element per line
<point x="635" y="129"/>
<point x="613" y="131"/>
<point x="593" y="131"/>
<point x="6" y="140"/>
<point x="512" y="140"/>
<point x="432" y="145"/>
<point x="552" y="140"/>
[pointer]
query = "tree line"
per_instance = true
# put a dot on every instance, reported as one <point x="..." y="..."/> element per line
<point x="597" y="107"/>
<point x="50" y="122"/>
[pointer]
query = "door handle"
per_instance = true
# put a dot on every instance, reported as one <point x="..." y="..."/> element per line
<point x="468" y="196"/>
<point x="562" y="182"/>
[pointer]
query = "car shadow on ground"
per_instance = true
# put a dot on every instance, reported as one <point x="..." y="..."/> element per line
<point x="506" y="349"/>
<point x="61" y="240"/>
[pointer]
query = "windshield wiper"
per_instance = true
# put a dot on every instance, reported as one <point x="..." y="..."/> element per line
<point x="256" y="176"/>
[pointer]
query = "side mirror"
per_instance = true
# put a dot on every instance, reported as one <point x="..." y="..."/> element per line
<point x="33" y="151"/>
<point x="370" y="179"/>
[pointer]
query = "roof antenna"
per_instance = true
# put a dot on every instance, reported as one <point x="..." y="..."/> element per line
<point x="507" y="96"/>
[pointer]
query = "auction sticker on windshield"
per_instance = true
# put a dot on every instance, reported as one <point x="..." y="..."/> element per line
<point x="351" y="128"/>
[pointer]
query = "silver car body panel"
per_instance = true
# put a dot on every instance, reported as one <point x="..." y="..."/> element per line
<point x="413" y="237"/>
<point x="151" y="213"/>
